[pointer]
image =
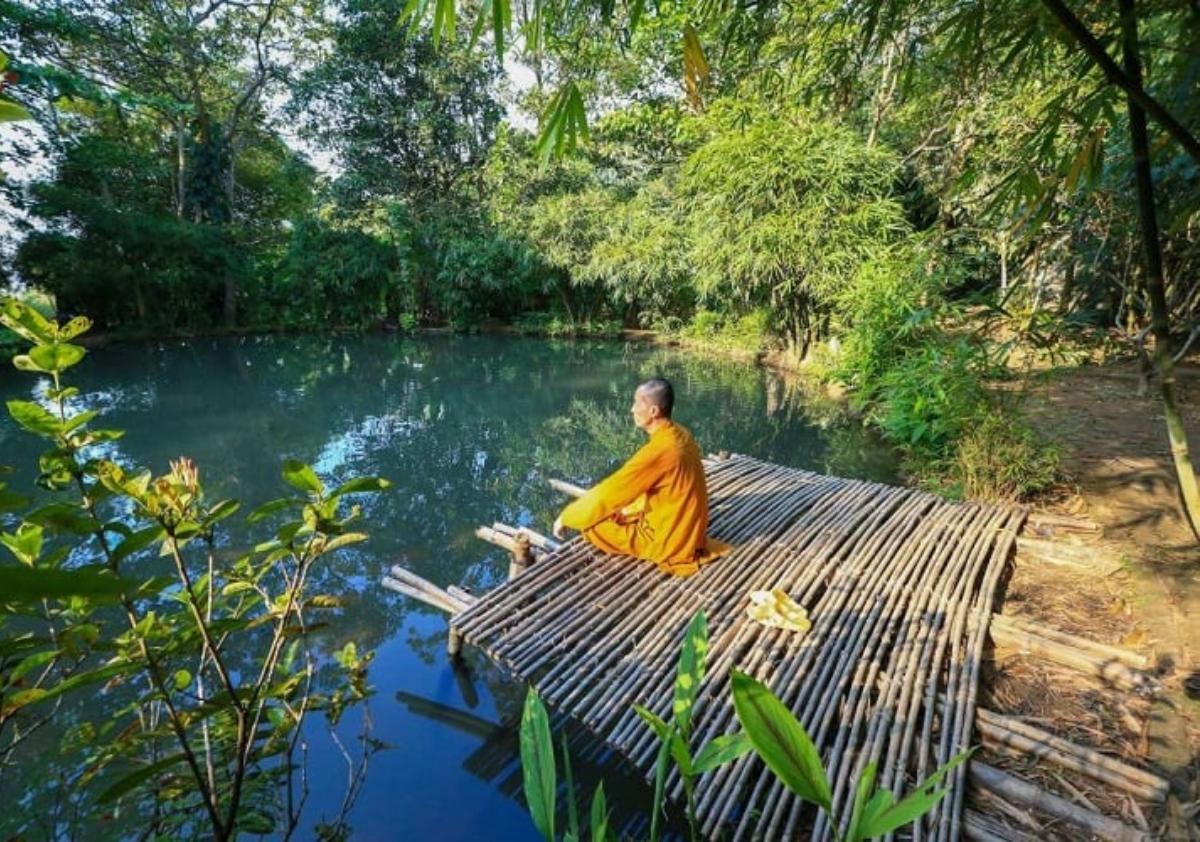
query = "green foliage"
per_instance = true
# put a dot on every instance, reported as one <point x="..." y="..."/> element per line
<point x="1001" y="458"/>
<point x="783" y="744"/>
<point x="201" y="653"/>
<point x="770" y="730"/>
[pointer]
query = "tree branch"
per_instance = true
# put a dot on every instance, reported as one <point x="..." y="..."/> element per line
<point x="1134" y="90"/>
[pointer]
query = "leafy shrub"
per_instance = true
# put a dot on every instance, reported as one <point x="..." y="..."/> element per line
<point x="747" y="332"/>
<point x="928" y="399"/>
<point x="1001" y="458"/>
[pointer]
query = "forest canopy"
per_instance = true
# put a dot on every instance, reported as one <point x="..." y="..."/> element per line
<point x="886" y="191"/>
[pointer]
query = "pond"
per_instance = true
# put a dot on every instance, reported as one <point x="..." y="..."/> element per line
<point x="468" y="429"/>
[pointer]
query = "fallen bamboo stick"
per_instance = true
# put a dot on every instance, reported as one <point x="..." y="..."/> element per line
<point x="1090" y="761"/>
<point x="979" y="827"/>
<point x="461" y="595"/>
<point x="1082" y="558"/>
<point x="1092" y="648"/>
<point x="419" y="595"/>
<point x="1045" y="523"/>
<point x="1108" y="670"/>
<point x="568" y="488"/>
<point x="424" y="590"/>
<point x="1019" y="791"/>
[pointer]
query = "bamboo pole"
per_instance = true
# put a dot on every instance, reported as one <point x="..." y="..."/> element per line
<point x="1003" y="624"/>
<point x="1020" y="792"/>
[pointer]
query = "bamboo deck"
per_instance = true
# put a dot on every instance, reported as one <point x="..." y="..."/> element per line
<point x="899" y="585"/>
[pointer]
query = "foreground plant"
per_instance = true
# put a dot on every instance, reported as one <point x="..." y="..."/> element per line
<point x="770" y="729"/>
<point x="203" y="669"/>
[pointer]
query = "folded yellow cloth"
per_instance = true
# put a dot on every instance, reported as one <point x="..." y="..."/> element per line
<point x="776" y="609"/>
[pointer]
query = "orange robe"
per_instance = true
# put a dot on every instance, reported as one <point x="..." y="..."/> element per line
<point x="655" y="507"/>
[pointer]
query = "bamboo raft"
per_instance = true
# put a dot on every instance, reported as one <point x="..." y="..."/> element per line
<point x="900" y="588"/>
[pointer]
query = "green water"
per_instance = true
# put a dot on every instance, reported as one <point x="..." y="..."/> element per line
<point x="468" y="429"/>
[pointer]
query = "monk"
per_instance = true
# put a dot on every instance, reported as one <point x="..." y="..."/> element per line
<point x="655" y="507"/>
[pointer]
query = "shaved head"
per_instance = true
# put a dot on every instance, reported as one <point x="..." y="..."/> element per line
<point x="658" y="392"/>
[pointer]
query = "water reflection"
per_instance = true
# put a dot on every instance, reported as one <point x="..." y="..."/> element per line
<point x="468" y="429"/>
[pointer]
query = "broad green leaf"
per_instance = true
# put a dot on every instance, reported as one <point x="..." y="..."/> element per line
<point x="135" y="779"/>
<point x="26" y="322"/>
<point x="862" y="796"/>
<point x="268" y="509"/>
<point x="564" y="123"/>
<point x="58" y="356"/>
<point x="345" y="540"/>
<point x="64" y="517"/>
<point x="77" y="326"/>
<point x="668" y="734"/>
<point x="780" y="740"/>
<point x="572" y="808"/>
<point x="24" y="698"/>
<point x="182" y="679"/>
<point x="721" y="750"/>
<point x="219" y="511"/>
<point x="23" y="585"/>
<point x="139" y="540"/>
<point x="880" y="816"/>
<point x="599" y="815"/>
<point x="32" y="662"/>
<point x="690" y="674"/>
<point x="661" y="764"/>
<point x="11" y="112"/>
<point x="537" y="765"/>
<point x="34" y="417"/>
<point x="301" y="476"/>
<point x="362" y="484"/>
<point x="25" y="544"/>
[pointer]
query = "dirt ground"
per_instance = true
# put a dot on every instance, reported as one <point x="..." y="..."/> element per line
<point x="1115" y="449"/>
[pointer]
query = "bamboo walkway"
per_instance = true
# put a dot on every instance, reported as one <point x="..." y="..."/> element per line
<point x="899" y="586"/>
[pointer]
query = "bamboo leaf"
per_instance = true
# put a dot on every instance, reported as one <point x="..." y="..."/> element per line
<point x="537" y="765"/>
<point x="780" y="740"/>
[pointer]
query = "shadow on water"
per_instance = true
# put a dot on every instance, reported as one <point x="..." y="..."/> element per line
<point x="468" y="429"/>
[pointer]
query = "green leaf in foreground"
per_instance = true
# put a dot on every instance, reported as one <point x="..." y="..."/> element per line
<point x="721" y="750"/>
<point x="301" y="476"/>
<point x="690" y="673"/>
<point x="780" y="740"/>
<point x="880" y="815"/>
<point x="537" y="765"/>
<point x="599" y="815"/>
<point x="28" y="584"/>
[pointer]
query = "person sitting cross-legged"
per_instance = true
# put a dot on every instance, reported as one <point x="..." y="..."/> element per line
<point x="655" y="506"/>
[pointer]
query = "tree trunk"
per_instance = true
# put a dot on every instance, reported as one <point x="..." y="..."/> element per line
<point x="1155" y="286"/>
